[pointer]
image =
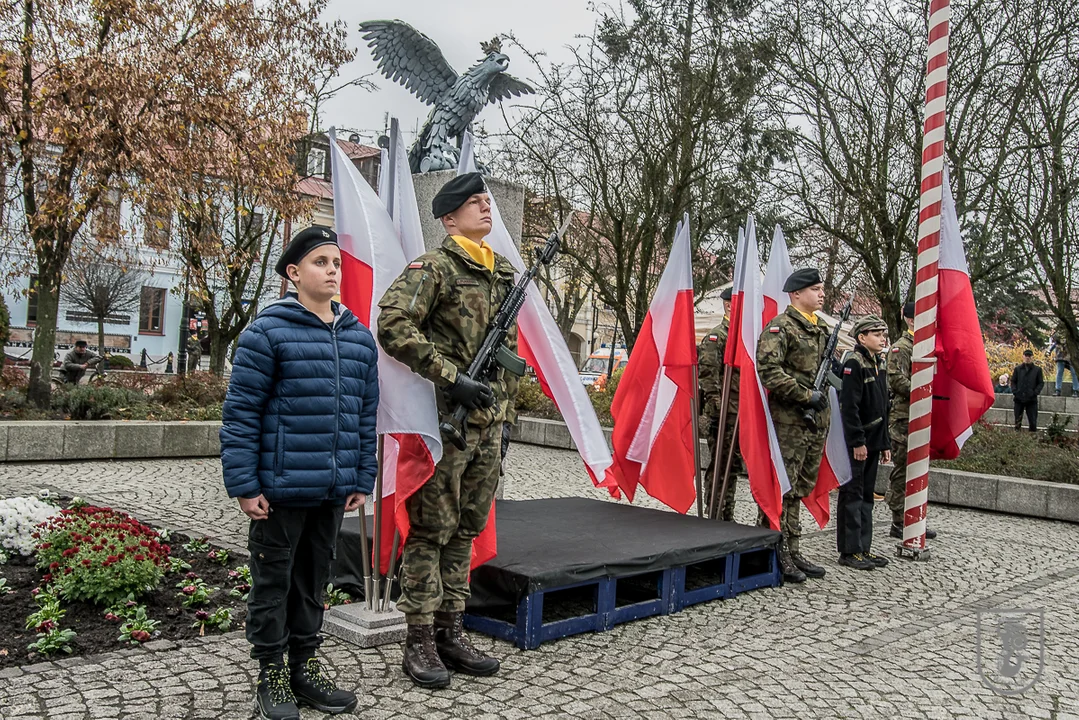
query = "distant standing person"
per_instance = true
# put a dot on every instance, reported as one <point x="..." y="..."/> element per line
<point x="1027" y="384"/>
<point x="194" y="353"/>
<point x="1059" y="350"/>
<point x="1003" y="386"/>
<point x="77" y="361"/>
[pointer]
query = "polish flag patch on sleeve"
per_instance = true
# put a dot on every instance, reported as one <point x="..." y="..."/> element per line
<point x="847" y="371"/>
<point x="713" y="338"/>
<point x="895" y="349"/>
<point x="773" y="329"/>
<point x="415" y="265"/>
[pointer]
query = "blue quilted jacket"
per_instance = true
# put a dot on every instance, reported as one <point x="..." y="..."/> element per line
<point x="299" y="418"/>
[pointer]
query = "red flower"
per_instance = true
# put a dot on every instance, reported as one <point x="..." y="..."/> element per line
<point x="111" y="559"/>
<point x="69" y="552"/>
<point x="189" y="590"/>
<point x="67" y="571"/>
<point x="36" y="591"/>
<point x="54" y="565"/>
<point x="243" y="587"/>
<point x="111" y="618"/>
<point x="202" y="616"/>
<point x="86" y="562"/>
<point x="140" y="636"/>
<point x="45" y="626"/>
<point x="45" y="546"/>
<point x="140" y="557"/>
<point x="192" y="575"/>
<point x="97" y="548"/>
<point x="144" y="543"/>
<point x="47" y="577"/>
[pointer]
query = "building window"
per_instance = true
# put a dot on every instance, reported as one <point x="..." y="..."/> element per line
<point x="106" y="224"/>
<point x="158" y="224"/>
<point x="316" y="162"/>
<point x="152" y="311"/>
<point x="252" y="223"/>
<point x="31" y="302"/>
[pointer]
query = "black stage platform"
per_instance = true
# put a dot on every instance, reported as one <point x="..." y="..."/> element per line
<point x="572" y="565"/>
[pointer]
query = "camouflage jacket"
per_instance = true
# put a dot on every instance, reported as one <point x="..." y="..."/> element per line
<point x="436" y="315"/>
<point x="863" y="400"/>
<point x="710" y="372"/>
<point x="788" y="355"/>
<point x="899" y="359"/>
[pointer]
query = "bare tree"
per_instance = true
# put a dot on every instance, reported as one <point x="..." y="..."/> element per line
<point x="95" y="97"/>
<point x="656" y="115"/>
<point x="103" y="289"/>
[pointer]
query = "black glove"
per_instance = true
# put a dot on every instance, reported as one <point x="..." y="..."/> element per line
<point x="473" y="395"/>
<point x="818" y="400"/>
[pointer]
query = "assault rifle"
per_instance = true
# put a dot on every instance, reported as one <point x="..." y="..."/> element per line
<point x="819" y="383"/>
<point x="494" y="353"/>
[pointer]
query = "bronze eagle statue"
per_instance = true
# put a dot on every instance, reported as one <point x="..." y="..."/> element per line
<point x="412" y="59"/>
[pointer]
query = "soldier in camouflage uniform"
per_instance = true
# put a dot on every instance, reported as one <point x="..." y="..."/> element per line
<point x="899" y="363"/>
<point x="710" y="377"/>
<point x="788" y="355"/>
<point x="434" y="318"/>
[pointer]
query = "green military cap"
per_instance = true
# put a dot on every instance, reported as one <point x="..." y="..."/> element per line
<point x="867" y="324"/>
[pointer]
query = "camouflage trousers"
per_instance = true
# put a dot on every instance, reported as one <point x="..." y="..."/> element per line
<point x="445" y="516"/>
<point x="802" y="450"/>
<point x="710" y="430"/>
<point x="897" y="480"/>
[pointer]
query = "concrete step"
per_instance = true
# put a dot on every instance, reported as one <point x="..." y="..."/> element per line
<point x="1049" y="404"/>
<point x="1006" y="416"/>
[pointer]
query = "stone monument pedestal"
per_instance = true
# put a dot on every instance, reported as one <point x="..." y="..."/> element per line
<point x="509" y="196"/>
<point x="355" y="624"/>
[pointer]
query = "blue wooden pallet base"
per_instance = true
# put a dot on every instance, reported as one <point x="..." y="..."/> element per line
<point x="741" y="572"/>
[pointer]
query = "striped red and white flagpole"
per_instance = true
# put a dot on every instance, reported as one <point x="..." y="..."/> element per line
<point x="925" y="294"/>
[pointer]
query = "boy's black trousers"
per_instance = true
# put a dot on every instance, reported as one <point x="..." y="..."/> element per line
<point x="854" y="510"/>
<point x="290" y="566"/>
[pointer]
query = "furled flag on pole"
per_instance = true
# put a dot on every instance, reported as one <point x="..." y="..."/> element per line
<point x="962" y="385"/>
<point x="541" y="344"/>
<point x="653" y="406"/>
<point x="779" y="269"/>
<point x="373" y="254"/>
<point x="756" y="433"/>
<point x="734" y="323"/>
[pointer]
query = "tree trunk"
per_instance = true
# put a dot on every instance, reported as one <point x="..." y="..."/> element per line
<point x="219" y="350"/>
<point x="103" y="363"/>
<point x="44" y="352"/>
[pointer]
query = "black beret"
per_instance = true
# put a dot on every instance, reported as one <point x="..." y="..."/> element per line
<point x="726" y="294"/>
<point x="304" y="242"/>
<point x="801" y="279"/>
<point x="454" y="193"/>
<point x="908" y="310"/>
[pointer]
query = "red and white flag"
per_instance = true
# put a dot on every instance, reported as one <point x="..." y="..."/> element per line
<point x="541" y="344"/>
<point x="962" y="384"/>
<point x="834" y="466"/>
<point x="653" y="407"/>
<point x="779" y="269"/>
<point x="756" y="433"/>
<point x="374" y="250"/>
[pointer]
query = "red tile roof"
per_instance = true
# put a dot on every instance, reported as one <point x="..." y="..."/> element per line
<point x="356" y="151"/>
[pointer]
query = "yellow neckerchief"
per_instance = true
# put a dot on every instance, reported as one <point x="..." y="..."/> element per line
<point x="910" y="332"/>
<point x="811" y="317"/>
<point x="481" y="252"/>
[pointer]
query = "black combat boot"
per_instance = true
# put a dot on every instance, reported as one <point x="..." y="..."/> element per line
<point x="875" y="559"/>
<point x="790" y="572"/>
<point x="273" y="696"/>
<point x="810" y="570"/>
<point x="856" y="561"/>
<point x="313" y="689"/>
<point x="421" y="662"/>
<point x="456" y="649"/>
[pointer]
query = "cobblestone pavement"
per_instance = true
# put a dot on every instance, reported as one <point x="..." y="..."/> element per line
<point x="893" y="643"/>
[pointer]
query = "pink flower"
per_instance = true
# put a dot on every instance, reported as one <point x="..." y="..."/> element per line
<point x="192" y="576"/>
<point x="46" y="626"/>
<point x="111" y="618"/>
<point x="202" y="616"/>
<point x="189" y="590"/>
<point x="140" y="636"/>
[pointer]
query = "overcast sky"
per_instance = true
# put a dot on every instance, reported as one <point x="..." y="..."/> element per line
<point x="458" y="27"/>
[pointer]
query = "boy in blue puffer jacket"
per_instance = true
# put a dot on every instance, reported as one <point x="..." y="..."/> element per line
<point x="298" y="450"/>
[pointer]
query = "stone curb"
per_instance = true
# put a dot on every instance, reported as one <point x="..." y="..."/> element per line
<point x="1014" y="496"/>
